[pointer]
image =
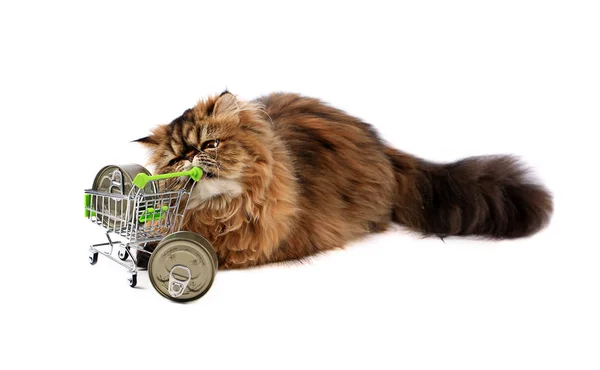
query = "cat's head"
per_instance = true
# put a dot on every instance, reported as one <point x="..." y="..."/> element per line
<point x="226" y="137"/>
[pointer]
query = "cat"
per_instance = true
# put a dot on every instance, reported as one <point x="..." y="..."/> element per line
<point x="288" y="176"/>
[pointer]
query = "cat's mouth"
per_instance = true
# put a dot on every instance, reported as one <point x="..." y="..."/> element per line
<point x="206" y="172"/>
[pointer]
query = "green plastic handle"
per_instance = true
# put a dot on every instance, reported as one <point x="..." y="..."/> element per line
<point x="141" y="179"/>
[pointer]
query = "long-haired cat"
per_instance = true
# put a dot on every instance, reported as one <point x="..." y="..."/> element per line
<point x="288" y="176"/>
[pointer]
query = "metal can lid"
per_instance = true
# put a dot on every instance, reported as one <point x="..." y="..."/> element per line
<point x="118" y="179"/>
<point x="183" y="266"/>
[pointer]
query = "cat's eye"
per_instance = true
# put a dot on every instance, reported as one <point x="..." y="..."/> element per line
<point x="209" y="145"/>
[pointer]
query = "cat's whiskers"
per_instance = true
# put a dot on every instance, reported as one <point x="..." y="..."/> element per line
<point x="217" y="162"/>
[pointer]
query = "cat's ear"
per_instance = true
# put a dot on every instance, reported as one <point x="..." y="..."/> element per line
<point x="148" y="140"/>
<point x="226" y="105"/>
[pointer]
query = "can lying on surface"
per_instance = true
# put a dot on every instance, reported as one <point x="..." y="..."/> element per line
<point x="117" y="180"/>
<point x="183" y="266"/>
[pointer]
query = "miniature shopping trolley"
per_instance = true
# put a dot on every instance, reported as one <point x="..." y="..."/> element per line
<point x="138" y="210"/>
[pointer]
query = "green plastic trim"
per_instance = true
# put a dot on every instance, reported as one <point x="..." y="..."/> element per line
<point x="87" y="204"/>
<point x="87" y="200"/>
<point x="141" y="179"/>
<point x="152" y="214"/>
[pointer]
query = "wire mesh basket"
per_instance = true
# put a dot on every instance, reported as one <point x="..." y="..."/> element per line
<point x="138" y="216"/>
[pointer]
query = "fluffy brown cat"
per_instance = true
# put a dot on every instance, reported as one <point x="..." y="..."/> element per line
<point x="288" y="176"/>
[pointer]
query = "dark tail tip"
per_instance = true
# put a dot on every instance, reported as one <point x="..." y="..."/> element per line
<point x="529" y="208"/>
<point x="490" y="196"/>
<point x="493" y="196"/>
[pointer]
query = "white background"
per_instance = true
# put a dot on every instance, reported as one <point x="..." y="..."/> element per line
<point x="442" y="79"/>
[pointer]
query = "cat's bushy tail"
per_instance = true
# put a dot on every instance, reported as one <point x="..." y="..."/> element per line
<point x="490" y="196"/>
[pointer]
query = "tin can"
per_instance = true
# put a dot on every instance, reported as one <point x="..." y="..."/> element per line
<point x="117" y="180"/>
<point x="183" y="266"/>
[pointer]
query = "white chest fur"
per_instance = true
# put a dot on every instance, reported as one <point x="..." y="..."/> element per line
<point x="206" y="189"/>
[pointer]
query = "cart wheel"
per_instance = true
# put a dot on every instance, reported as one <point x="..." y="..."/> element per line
<point x="183" y="266"/>
<point x="132" y="280"/>
<point x="123" y="254"/>
<point x="93" y="258"/>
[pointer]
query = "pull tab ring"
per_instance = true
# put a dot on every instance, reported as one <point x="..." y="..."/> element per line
<point x="176" y="286"/>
